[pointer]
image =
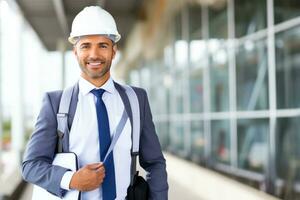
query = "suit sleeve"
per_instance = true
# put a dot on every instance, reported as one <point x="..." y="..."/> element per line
<point x="151" y="157"/>
<point x="40" y="151"/>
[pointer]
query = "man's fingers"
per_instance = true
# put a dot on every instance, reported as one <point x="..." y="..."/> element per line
<point x="100" y="169"/>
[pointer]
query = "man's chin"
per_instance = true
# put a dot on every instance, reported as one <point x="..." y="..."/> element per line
<point x="97" y="76"/>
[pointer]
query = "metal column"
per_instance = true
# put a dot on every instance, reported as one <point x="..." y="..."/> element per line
<point x="18" y="125"/>
<point x="1" y="111"/>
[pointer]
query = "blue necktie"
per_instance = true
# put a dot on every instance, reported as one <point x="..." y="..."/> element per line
<point x="109" y="183"/>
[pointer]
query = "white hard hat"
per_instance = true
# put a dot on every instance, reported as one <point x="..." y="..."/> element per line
<point x="93" y="20"/>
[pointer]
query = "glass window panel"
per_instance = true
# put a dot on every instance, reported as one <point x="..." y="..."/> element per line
<point x="180" y="44"/>
<point x="218" y="21"/>
<point x="181" y="53"/>
<point x="286" y="9"/>
<point x="219" y="89"/>
<point x="252" y="144"/>
<point x="157" y="93"/>
<point x="168" y="56"/>
<point x="162" y="129"/>
<point x="195" y="22"/>
<point x="287" y="143"/>
<point x="178" y="26"/>
<point x="6" y="135"/>
<point x="177" y="94"/>
<point x="198" y="141"/>
<point x="288" y="68"/>
<point x="159" y="99"/>
<point x="197" y="53"/>
<point x="252" y="76"/>
<point x="220" y="130"/>
<point x="218" y="57"/>
<point x="196" y="91"/>
<point x="145" y="77"/>
<point x="134" y="77"/>
<point x="177" y="137"/>
<point x="197" y="44"/>
<point x="250" y="16"/>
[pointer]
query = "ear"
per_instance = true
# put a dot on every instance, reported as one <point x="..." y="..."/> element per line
<point x="115" y="49"/>
<point x="75" y="50"/>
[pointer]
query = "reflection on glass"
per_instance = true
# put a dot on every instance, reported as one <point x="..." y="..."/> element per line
<point x="287" y="143"/>
<point x="288" y="68"/>
<point x="168" y="56"/>
<point x="196" y="91"/>
<point x="195" y="22"/>
<point x="178" y="26"/>
<point x="134" y="77"/>
<point x="252" y="144"/>
<point x="250" y="16"/>
<point x="219" y="89"/>
<point x="218" y="21"/>
<point x="197" y="53"/>
<point x="220" y="141"/>
<point x="197" y="44"/>
<point x="177" y="94"/>
<point x="6" y="136"/>
<point x="145" y="77"/>
<point x="162" y="129"/>
<point x="181" y="53"/>
<point x="180" y="45"/>
<point x="252" y="76"/>
<point x="218" y="34"/>
<point x="286" y="9"/>
<point x="198" y="141"/>
<point x="177" y="136"/>
<point x="158" y="93"/>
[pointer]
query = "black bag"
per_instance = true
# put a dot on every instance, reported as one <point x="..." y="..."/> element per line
<point x="139" y="190"/>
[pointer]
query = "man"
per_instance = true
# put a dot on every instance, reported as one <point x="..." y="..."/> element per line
<point x="94" y="36"/>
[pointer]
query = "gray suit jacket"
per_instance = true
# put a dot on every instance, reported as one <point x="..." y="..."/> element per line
<point x="42" y="146"/>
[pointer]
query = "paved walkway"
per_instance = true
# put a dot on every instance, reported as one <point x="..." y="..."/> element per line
<point x="189" y="181"/>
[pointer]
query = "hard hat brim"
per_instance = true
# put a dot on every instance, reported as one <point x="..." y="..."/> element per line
<point x="114" y="37"/>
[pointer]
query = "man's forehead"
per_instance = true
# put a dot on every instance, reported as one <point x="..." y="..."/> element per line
<point x="94" y="39"/>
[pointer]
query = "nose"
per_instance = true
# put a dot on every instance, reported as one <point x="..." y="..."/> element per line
<point x="93" y="54"/>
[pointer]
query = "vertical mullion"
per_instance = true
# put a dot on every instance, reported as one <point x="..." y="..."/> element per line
<point x="206" y="81"/>
<point x="232" y="84"/>
<point x="271" y="165"/>
<point x="186" y="85"/>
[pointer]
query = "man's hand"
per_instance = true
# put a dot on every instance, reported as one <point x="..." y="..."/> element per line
<point x="88" y="178"/>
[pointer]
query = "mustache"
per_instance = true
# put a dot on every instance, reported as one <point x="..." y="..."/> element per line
<point x="95" y="60"/>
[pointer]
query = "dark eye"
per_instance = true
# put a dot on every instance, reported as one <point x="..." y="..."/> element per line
<point x="84" y="46"/>
<point x="103" y="46"/>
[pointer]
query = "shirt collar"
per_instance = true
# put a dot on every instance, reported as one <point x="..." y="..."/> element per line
<point x="85" y="86"/>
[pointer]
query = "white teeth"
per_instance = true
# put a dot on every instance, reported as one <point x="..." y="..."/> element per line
<point x="94" y="64"/>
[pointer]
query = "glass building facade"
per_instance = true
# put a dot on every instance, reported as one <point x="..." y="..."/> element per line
<point x="224" y="94"/>
<point x="27" y="70"/>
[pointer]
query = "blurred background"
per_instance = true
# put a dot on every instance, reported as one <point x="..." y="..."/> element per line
<point x="221" y="75"/>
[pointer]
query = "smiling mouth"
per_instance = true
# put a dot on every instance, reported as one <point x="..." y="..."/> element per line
<point x="94" y="64"/>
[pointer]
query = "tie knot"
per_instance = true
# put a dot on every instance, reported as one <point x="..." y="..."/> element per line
<point x="98" y="92"/>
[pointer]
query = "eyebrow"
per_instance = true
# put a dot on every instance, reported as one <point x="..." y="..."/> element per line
<point x="89" y="43"/>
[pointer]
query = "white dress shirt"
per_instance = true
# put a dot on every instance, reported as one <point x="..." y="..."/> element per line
<point x="84" y="139"/>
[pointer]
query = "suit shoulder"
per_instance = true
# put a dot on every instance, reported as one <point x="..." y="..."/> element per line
<point x="139" y="91"/>
<point x="54" y="98"/>
<point x="54" y="95"/>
